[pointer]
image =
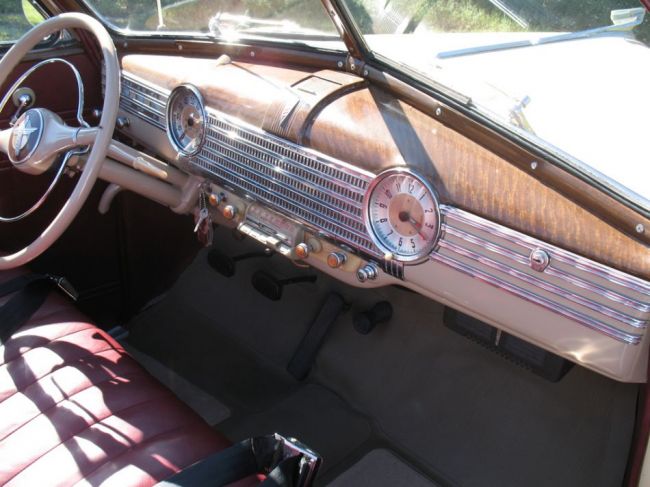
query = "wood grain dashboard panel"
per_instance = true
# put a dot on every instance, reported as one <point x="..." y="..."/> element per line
<point x="370" y="128"/>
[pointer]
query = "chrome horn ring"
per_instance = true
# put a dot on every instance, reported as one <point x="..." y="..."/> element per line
<point x="21" y="140"/>
<point x="58" y="137"/>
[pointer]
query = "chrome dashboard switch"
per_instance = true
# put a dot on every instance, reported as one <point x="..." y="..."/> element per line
<point x="368" y="272"/>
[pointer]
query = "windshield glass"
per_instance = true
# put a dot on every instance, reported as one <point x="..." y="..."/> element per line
<point x="229" y="19"/>
<point x="570" y="75"/>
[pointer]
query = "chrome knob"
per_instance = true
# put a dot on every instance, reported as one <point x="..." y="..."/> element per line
<point x="122" y="122"/>
<point x="336" y="259"/>
<point x="214" y="199"/>
<point x="229" y="212"/>
<point x="302" y="250"/>
<point x="368" y="272"/>
<point x="539" y="260"/>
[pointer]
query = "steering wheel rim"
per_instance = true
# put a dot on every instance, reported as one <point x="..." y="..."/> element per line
<point x="102" y="134"/>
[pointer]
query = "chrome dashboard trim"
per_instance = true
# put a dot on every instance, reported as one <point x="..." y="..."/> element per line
<point x="567" y="257"/>
<point x="323" y="193"/>
<point x="327" y="196"/>
<point x="585" y="291"/>
<point x="144" y="100"/>
<point x="629" y="338"/>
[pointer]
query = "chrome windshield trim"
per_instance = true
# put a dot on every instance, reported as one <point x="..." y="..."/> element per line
<point x="633" y="19"/>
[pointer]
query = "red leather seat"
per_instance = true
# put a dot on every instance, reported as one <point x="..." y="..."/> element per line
<point x="75" y="408"/>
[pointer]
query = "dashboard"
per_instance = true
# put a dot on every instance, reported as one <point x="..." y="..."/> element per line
<point x="371" y="218"/>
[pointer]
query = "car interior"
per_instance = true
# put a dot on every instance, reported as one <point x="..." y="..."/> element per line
<point x="257" y="263"/>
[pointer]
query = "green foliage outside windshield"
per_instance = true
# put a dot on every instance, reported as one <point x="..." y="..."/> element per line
<point x="16" y="17"/>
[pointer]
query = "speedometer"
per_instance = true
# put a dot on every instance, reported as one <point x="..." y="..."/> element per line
<point x="186" y="119"/>
<point x="402" y="215"/>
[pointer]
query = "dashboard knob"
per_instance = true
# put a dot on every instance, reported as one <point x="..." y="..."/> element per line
<point x="302" y="250"/>
<point x="336" y="259"/>
<point x="122" y="122"/>
<point x="539" y="260"/>
<point x="229" y="212"/>
<point x="214" y="199"/>
<point x="367" y="273"/>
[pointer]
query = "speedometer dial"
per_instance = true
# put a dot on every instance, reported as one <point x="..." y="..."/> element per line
<point x="402" y="215"/>
<point x="186" y="119"/>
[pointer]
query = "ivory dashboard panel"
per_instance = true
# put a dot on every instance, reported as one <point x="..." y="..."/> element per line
<point x="582" y="309"/>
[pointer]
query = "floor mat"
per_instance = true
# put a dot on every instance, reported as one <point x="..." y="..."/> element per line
<point x="462" y="414"/>
<point x="381" y="468"/>
<point x="316" y="416"/>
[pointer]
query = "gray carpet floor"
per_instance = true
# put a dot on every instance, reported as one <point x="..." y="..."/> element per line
<point x="457" y="413"/>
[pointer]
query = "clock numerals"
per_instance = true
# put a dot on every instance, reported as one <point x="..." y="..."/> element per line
<point x="403" y="215"/>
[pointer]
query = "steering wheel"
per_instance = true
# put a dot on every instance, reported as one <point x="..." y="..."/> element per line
<point x="39" y="136"/>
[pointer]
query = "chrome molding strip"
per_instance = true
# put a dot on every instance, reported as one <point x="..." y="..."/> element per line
<point x="144" y="100"/>
<point x="630" y="338"/>
<point x="546" y="286"/>
<point x="550" y="270"/>
<point x="484" y="244"/>
<point x="561" y="255"/>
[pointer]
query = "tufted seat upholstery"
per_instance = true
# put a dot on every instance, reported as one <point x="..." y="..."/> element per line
<point x="76" y="409"/>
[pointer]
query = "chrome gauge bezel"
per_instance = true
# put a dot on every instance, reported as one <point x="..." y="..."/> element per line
<point x="421" y="256"/>
<point x="170" y="132"/>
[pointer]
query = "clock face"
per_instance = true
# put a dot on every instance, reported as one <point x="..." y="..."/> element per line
<point x="402" y="215"/>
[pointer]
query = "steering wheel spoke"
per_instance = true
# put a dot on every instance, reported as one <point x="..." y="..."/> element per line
<point x="40" y="139"/>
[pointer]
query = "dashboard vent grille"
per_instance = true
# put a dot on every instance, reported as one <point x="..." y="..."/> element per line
<point x="145" y="102"/>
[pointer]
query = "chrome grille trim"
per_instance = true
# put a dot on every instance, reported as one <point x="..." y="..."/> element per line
<point x="144" y="100"/>
<point x="321" y="192"/>
<point x="481" y="249"/>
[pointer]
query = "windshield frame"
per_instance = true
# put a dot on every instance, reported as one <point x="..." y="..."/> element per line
<point x="245" y="39"/>
<point x="461" y="102"/>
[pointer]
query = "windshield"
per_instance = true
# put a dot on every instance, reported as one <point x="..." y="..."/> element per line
<point x="282" y="19"/>
<point x="571" y="76"/>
